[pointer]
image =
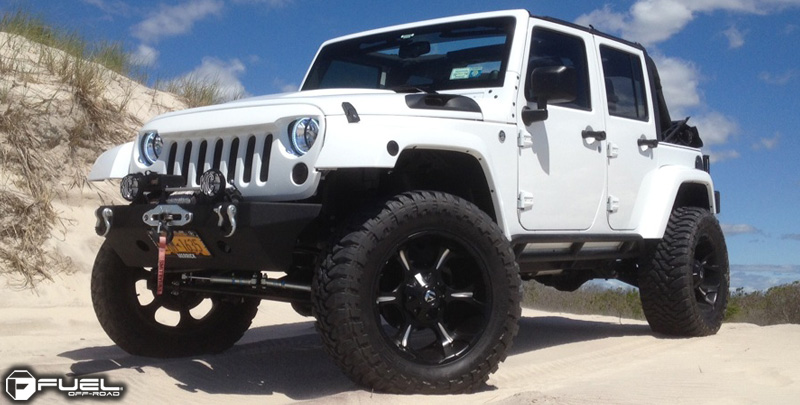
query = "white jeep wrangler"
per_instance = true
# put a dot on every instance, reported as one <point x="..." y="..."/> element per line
<point x="402" y="195"/>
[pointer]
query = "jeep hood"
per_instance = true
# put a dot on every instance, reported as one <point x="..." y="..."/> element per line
<point x="366" y="103"/>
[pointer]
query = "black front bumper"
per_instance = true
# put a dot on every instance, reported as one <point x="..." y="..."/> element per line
<point x="264" y="238"/>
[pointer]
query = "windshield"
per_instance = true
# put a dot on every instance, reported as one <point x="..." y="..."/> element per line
<point x="466" y="54"/>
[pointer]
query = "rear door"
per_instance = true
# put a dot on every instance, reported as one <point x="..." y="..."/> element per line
<point x="629" y="122"/>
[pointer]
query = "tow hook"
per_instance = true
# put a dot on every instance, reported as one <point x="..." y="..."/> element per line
<point x="104" y="219"/>
<point x="230" y="212"/>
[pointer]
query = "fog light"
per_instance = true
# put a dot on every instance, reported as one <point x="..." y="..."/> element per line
<point x="131" y="186"/>
<point x="212" y="183"/>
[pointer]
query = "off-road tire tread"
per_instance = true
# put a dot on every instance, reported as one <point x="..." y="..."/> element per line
<point x="125" y="328"/>
<point x="348" y="345"/>
<point x="666" y="283"/>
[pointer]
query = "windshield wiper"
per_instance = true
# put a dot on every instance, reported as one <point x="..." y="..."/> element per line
<point x="410" y="89"/>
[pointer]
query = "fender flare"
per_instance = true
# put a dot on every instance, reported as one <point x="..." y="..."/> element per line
<point x="659" y="194"/>
<point x="113" y="163"/>
<point x="382" y="140"/>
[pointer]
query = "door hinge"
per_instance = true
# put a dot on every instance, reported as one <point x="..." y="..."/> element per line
<point x="524" y="200"/>
<point x="524" y="139"/>
<point x="612" y="150"/>
<point x="613" y="204"/>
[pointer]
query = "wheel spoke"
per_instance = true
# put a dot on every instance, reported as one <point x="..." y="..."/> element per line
<point x="403" y="333"/>
<point x="186" y="317"/>
<point x="466" y="296"/>
<point x="442" y="259"/>
<point x="404" y="260"/>
<point x="140" y="273"/>
<point x="708" y="294"/>
<point x="444" y="338"/>
<point x="151" y="308"/>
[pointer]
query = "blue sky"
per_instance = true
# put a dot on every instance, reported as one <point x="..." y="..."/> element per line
<point x="733" y="65"/>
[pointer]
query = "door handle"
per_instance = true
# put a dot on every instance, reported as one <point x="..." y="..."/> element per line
<point x="650" y="143"/>
<point x="598" y="135"/>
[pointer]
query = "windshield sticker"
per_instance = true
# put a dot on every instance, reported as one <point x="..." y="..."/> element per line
<point x="466" y="73"/>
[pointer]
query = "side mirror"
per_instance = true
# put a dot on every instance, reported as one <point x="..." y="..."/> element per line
<point x="553" y="84"/>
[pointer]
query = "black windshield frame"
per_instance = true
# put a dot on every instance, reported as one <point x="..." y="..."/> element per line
<point x="458" y="55"/>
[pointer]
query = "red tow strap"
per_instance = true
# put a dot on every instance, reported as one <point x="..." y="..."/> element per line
<point x="162" y="258"/>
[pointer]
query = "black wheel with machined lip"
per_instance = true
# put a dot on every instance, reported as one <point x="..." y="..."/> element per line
<point x="420" y="296"/>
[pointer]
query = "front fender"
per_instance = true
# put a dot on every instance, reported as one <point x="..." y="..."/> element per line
<point x="658" y="195"/>
<point x="378" y="142"/>
<point x="113" y="163"/>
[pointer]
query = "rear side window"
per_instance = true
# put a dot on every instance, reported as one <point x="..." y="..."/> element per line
<point x="625" y="87"/>
<point x="552" y="48"/>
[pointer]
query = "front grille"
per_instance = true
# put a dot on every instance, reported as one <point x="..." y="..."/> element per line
<point x="242" y="158"/>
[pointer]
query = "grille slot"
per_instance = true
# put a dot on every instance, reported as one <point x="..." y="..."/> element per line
<point x="248" y="159"/>
<point x="191" y="158"/>
<point x="187" y="157"/>
<point x="264" y="175"/>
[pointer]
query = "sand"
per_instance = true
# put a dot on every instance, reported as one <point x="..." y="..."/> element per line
<point x="556" y="359"/>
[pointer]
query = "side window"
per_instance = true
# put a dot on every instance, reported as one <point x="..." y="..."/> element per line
<point x="552" y="48"/>
<point x="625" y="87"/>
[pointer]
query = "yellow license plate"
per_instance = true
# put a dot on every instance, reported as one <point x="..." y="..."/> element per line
<point x="187" y="245"/>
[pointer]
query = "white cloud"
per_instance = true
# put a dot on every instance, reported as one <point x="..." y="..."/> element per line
<point x="756" y="277"/>
<point x="224" y="74"/>
<point x="779" y="79"/>
<point x="734" y="36"/>
<point x="719" y="156"/>
<point x="270" y="3"/>
<point x="680" y="80"/>
<point x="285" y="87"/>
<point x="175" y="20"/>
<point x="768" y="143"/>
<point x="715" y="128"/>
<point x="654" y="21"/>
<point x="145" y="55"/>
<point x="117" y="7"/>
<point x="738" y="229"/>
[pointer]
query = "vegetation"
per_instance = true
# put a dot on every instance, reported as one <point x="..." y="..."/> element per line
<point x="110" y="55"/>
<point x="56" y="115"/>
<point x="589" y="299"/>
<point x="778" y="305"/>
<point x="194" y="91"/>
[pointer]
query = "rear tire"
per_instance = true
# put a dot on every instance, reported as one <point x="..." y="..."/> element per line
<point x="134" y="327"/>
<point x="684" y="284"/>
<point x="421" y="298"/>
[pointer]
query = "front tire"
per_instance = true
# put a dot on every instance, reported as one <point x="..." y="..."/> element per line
<point x="423" y="297"/>
<point x="131" y="318"/>
<point x="684" y="284"/>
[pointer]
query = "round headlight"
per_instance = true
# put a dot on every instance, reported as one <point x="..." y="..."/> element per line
<point x="151" y="147"/>
<point x="131" y="186"/>
<point x="304" y="133"/>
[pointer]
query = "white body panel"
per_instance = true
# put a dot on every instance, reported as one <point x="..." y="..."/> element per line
<point x="564" y="172"/>
<point x="113" y="163"/>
